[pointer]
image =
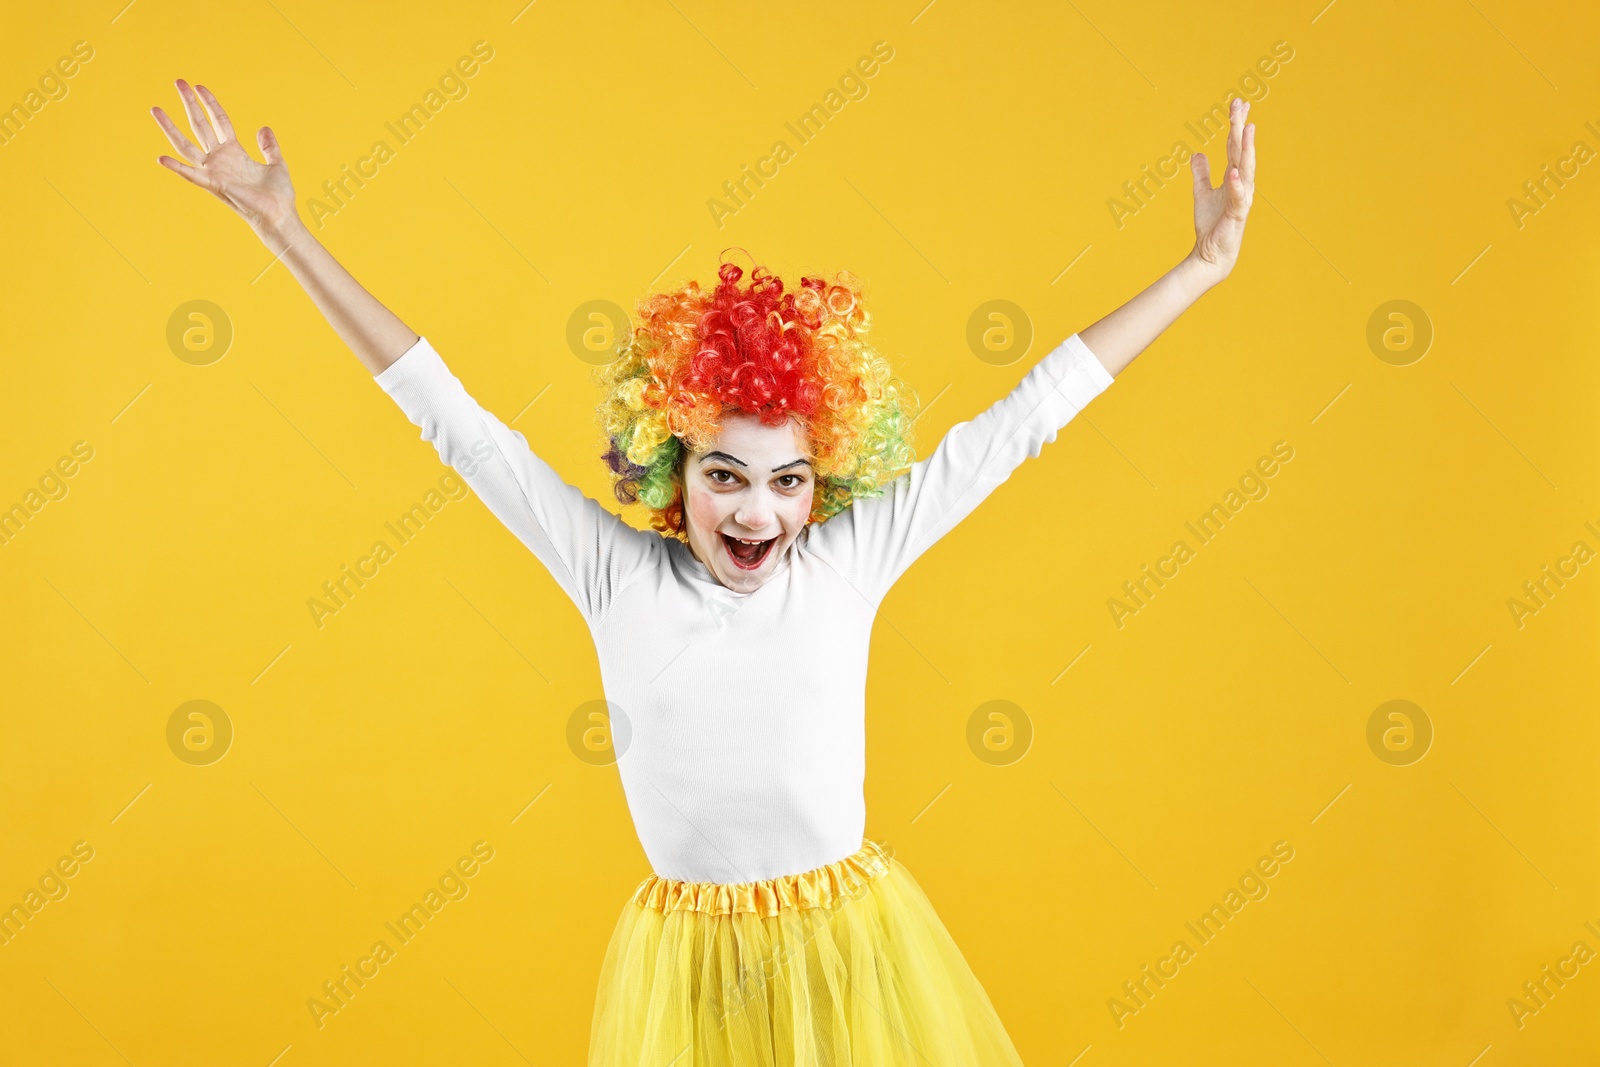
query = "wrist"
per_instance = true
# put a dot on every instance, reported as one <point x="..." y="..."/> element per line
<point x="279" y="234"/>
<point x="1195" y="275"/>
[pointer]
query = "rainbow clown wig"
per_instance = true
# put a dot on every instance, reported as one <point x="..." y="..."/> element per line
<point x="695" y="356"/>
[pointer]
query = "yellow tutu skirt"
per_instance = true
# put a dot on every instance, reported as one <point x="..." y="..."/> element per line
<point x="846" y="964"/>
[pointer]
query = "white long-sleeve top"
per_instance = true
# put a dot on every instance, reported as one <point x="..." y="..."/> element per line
<point x="728" y="777"/>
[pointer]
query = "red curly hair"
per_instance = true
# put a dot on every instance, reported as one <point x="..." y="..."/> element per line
<point x="764" y="351"/>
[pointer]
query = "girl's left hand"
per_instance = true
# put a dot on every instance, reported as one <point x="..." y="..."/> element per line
<point x="1219" y="214"/>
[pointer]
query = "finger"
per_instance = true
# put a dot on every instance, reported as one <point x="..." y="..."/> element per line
<point x="1200" y="166"/>
<point x="218" y="116"/>
<point x="203" y="133"/>
<point x="1233" y="133"/>
<point x="198" y="177"/>
<point x="1239" y="195"/>
<point x="1236" y="128"/>
<point x="269" y="145"/>
<point x="176" y="138"/>
<point x="1248" y="167"/>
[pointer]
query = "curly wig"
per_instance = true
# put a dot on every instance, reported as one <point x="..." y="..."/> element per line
<point x="695" y="356"/>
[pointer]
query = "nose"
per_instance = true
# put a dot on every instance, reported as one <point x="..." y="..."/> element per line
<point x="754" y="512"/>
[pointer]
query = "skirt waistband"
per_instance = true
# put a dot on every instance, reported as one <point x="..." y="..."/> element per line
<point x="819" y="887"/>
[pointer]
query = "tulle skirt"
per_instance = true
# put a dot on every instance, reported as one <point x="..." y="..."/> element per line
<point x="846" y="964"/>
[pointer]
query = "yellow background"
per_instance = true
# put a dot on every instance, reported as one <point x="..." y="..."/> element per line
<point x="1229" y="714"/>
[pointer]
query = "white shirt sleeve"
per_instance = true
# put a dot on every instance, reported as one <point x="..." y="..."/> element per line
<point x="591" y="553"/>
<point x="874" y="540"/>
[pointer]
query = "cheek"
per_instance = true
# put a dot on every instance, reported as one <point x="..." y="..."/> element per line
<point x="799" y="509"/>
<point x="705" y="511"/>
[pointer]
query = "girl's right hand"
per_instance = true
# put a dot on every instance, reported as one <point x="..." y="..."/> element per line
<point x="261" y="193"/>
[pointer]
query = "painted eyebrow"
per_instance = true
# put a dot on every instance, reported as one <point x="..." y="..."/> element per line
<point x="709" y="456"/>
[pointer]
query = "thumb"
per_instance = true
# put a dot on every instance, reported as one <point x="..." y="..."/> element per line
<point x="269" y="144"/>
<point x="1239" y="197"/>
<point x="1200" y="168"/>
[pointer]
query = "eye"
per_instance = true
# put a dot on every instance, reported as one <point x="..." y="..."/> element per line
<point x="713" y="476"/>
<point x="799" y="480"/>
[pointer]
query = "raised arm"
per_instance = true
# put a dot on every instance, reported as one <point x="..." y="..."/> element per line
<point x="1219" y="218"/>
<point x="873" y="541"/>
<point x="263" y="196"/>
<point x="590" y="552"/>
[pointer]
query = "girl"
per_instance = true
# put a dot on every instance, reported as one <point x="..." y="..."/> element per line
<point x="771" y="446"/>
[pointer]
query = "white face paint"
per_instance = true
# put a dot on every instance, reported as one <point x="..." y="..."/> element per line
<point x="754" y="482"/>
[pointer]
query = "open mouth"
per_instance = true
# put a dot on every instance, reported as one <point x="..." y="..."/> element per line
<point x="748" y="555"/>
